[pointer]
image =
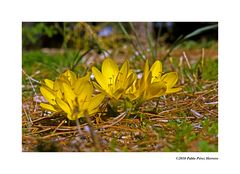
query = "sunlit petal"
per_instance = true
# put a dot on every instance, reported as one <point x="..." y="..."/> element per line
<point x="98" y="87"/>
<point x="156" y="70"/>
<point x="155" y="90"/>
<point x="123" y="73"/>
<point x="71" y="76"/>
<point x="48" y="94"/>
<point x="96" y="101"/>
<point x="64" y="106"/>
<point x="102" y="81"/>
<point x="48" y="107"/>
<point x="110" y="71"/>
<point x="170" y="79"/>
<point x="85" y="94"/>
<point x="68" y="92"/>
<point x="173" y="90"/>
<point x="130" y="80"/>
<point x="49" y="83"/>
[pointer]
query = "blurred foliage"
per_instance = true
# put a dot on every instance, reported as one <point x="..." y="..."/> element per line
<point x="79" y="35"/>
<point x="33" y="32"/>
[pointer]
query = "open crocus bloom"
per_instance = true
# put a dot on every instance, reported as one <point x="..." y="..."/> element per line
<point x="112" y="81"/>
<point x="70" y="94"/>
<point x="169" y="79"/>
<point x="153" y="84"/>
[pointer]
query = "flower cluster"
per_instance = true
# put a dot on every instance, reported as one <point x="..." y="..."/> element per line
<point x="70" y="94"/>
<point x="153" y="83"/>
<point x="75" y="96"/>
<point x="117" y="83"/>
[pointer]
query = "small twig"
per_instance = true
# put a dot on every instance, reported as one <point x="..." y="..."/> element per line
<point x="116" y="120"/>
<point x="56" y="134"/>
<point x="62" y="128"/>
<point x="58" y="126"/>
<point x="29" y="77"/>
<point x="186" y="58"/>
<point x="190" y="68"/>
<point x="41" y="131"/>
<point x="211" y="103"/>
<point x="202" y="57"/>
<point x="46" y="117"/>
<point x="181" y="69"/>
<point x="122" y="128"/>
<point x="197" y="114"/>
<point x="209" y="111"/>
<point x="28" y="116"/>
<point x="35" y="93"/>
<point x="30" y="81"/>
<point x="29" y="123"/>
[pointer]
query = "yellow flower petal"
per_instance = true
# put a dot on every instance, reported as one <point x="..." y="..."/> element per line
<point x="49" y="83"/>
<point x="90" y="112"/>
<point x="78" y="83"/>
<point x="78" y="86"/>
<point x="64" y="106"/>
<point x="122" y="75"/>
<point x="48" y="107"/>
<point x="110" y="71"/>
<point x="155" y="90"/>
<point x="48" y="94"/>
<point x="71" y="103"/>
<point x="130" y="80"/>
<point x="170" y="79"/>
<point x="59" y="94"/>
<point x="63" y="78"/>
<point x="98" y="87"/>
<point x="85" y="93"/>
<point x="71" y="76"/>
<point x="147" y="81"/>
<point x="173" y="90"/>
<point x="56" y="85"/>
<point x="68" y="92"/>
<point x="75" y="115"/>
<point x="156" y="70"/>
<point x="102" y="81"/>
<point x="95" y="102"/>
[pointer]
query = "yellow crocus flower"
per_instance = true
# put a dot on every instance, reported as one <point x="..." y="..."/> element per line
<point x="51" y="89"/>
<point x="70" y="94"/>
<point x="170" y="79"/>
<point x="153" y="84"/>
<point x="76" y="105"/>
<point x="112" y="81"/>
